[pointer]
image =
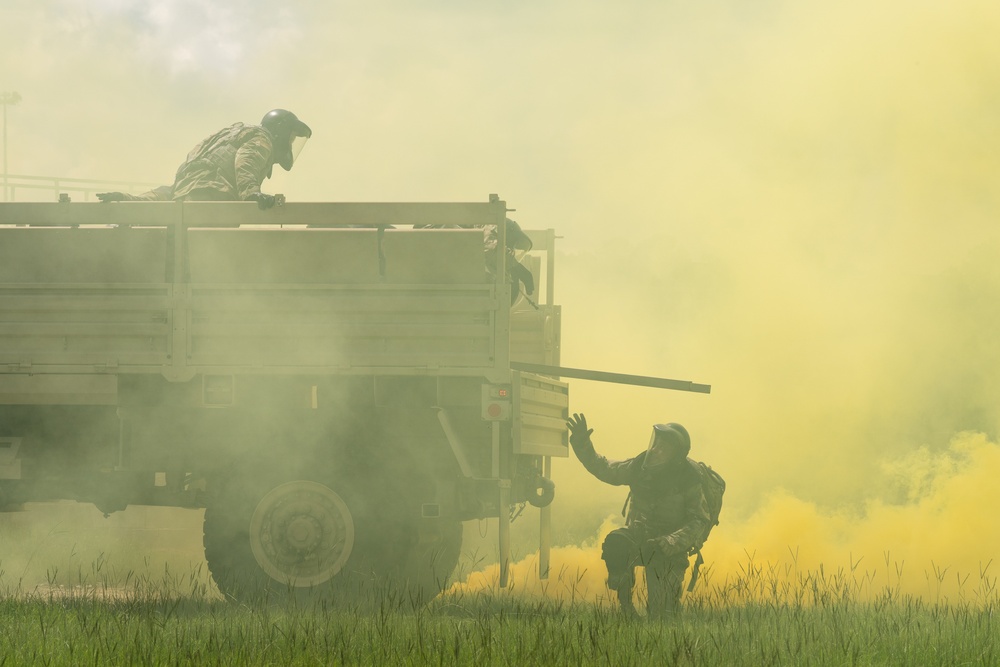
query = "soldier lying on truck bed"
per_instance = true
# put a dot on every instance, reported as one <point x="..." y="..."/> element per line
<point x="231" y="164"/>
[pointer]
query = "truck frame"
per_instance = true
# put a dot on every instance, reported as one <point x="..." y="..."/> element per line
<point x="338" y="385"/>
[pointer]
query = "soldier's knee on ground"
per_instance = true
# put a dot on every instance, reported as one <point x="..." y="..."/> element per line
<point x="617" y="552"/>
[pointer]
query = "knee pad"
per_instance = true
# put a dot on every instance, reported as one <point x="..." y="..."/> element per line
<point x="617" y="551"/>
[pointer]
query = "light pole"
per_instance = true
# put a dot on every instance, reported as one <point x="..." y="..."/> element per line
<point x="6" y="99"/>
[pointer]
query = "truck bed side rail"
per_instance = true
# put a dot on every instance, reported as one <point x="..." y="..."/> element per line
<point x="216" y="287"/>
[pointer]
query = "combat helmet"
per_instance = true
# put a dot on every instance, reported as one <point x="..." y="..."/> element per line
<point x="290" y="135"/>
<point x="664" y="441"/>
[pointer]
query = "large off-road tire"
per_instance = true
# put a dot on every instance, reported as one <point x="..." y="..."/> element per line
<point x="332" y="539"/>
<point x="272" y="540"/>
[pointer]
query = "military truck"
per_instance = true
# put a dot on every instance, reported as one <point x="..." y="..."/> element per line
<point x="338" y="385"/>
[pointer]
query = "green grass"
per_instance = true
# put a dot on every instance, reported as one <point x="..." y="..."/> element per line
<point x="758" y="618"/>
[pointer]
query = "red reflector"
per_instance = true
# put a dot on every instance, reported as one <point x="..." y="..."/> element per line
<point x="493" y="410"/>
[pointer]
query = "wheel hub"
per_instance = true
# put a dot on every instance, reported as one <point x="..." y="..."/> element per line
<point x="302" y="533"/>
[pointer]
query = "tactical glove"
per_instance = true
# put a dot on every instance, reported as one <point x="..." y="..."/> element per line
<point x="579" y="434"/>
<point x="665" y="544"/>
<point x="263" y="201"/>
<point x="106" y="197"/>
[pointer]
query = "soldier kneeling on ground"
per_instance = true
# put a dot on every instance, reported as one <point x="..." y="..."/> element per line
<point x="668" y="515"/>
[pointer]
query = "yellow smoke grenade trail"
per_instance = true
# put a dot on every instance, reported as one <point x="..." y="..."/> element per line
<point x="937" y="544"/>
<point x="577" y="574"/>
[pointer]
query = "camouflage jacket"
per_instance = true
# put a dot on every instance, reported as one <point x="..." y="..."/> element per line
<point x="667" y="505"/>
<point x="232" y="163"/>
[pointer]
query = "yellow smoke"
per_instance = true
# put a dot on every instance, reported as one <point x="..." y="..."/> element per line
<point x="577" y="574"/>
<point x="936" y="544"/>
<point x="794" y="202"/>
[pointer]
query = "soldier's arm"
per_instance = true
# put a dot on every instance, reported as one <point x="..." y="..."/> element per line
<point x="615" y="473"/>
<point x="253" y="159"/>
<point x="612" y="472"/>
<point x="161" y="193"/>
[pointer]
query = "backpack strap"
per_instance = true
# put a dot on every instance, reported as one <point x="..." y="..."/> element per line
<point x="628" y="499"/>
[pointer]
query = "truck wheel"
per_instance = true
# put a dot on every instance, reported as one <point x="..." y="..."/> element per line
<point x="307" y="539"/>
<point x="301" y="533"/>
<point x="293" y="538"/>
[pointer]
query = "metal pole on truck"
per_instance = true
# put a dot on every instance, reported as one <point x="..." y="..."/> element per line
<point x="7" y="99"/>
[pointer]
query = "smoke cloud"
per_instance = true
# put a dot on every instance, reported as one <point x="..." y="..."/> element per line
<point x="793" y="203"/>
<point x="935" y="542"/>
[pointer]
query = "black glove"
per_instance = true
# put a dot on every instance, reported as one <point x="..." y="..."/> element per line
<point x="519" y="272"/>
<point x="264" y="201"/>
<point x="579" y="434"/>
<point x="106" y="197"/>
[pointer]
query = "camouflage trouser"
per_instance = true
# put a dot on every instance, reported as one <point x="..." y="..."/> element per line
<point x="625" y="549"/>
<point x="208" y="194"/>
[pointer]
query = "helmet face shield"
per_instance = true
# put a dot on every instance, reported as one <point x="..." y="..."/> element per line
<point x="666" y="445"/>
<point x="289" y="134"/>
<point x="292" y="149"/>
<point x="297" y="144"/>
<point x="517" y="240"/>
<point x="658" y="452"/>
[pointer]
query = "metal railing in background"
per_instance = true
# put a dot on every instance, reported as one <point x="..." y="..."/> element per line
<point x="49" y="188"/>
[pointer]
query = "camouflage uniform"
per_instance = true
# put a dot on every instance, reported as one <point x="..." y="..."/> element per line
<point x="667" y="513"/>
<point x="516" y="240"/>
<point x="161" y="193"/>
<point x="516" y="272"/>
<point x="230" y="165"/>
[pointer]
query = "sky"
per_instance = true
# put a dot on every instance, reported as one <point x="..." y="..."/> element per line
<point x="792" y="202"/>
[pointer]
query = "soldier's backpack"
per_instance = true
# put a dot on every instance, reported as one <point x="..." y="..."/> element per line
<point x="714" y="487"/>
